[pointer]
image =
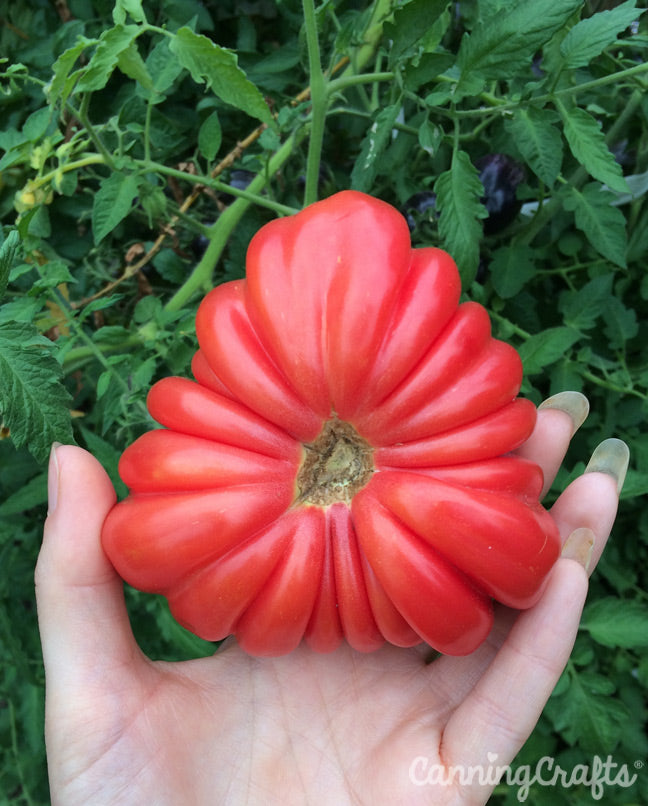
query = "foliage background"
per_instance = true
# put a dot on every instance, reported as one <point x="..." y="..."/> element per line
<point x="143" y="144"/>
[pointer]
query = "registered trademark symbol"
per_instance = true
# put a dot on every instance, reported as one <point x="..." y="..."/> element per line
<point x="639" y="764"/>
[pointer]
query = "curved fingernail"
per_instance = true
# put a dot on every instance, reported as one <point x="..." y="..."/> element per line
<point x="579" y="546"/>
<point x="612" y="456"/>
<point x="575" y="404"/>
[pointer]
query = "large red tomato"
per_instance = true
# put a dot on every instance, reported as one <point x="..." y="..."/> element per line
<point x="341" y="468"/>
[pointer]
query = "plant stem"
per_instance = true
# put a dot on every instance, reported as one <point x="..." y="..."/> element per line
<point x="82" y="115"/>
<point x="319" y="103"/>
<point x="498" y="106"/>
<point x="352" y="80"/>
<point x="92" y="159"/>
<point x="220" y="231"/>
<point x="208" y="181"/>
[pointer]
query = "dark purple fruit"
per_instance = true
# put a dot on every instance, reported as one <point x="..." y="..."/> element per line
<point x="500" y="175"/>
<point x="419" y="207"/>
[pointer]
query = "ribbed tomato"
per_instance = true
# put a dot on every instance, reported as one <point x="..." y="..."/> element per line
<point x="341" y="467"/>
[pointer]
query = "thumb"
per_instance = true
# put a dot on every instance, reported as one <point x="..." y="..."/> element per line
<point x="81" y="610"/>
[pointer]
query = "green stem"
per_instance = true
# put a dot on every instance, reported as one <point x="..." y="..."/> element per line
<point x="78" y="356"/>
<point x="92" y="159"/>
<point x="382" y="9"/>
<point x="197" y="179"/>
<point x="319" y="102"/>
<point x="499" y="106"/>
<point x="351" y="80"/>
<point x="82" y="115"/>
<point x="147" y="129"/>
<point x="220" y="231"/>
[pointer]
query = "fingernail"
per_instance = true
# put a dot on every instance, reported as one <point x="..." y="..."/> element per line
<point x="52" y="479"/>
<point x="575" y="404"/>
<point x="612" y="457"/>
<point x="579" y="546"/>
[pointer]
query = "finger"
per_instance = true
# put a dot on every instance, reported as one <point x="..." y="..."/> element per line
<point x="501" y="711"/>
<point x="584" y="514"/>
<point x="81" y="611"/>
<point x="559" y="417"/>
<point x="590" y="502"/>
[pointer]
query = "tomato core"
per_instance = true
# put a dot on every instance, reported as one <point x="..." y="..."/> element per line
<point x="337" y="465"/>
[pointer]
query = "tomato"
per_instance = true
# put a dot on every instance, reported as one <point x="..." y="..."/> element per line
<point x="341" y="467"/>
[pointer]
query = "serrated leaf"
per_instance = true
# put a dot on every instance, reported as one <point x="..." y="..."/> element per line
<point x="132" y="65"/>
<point x="112" y="43"/>
<point x="132" y="7"/>
<point x="7" y="256"/>
<point x="411" y="22"/>
<point x="581" y="308"/>
<point x="53" y="274"/>
<point x="162" y="67"/>
<point x="510" y="268"/>
<point x="210" y="136"/>
<point x="587" y="715"/>
<point x="545" y="348"/>
<point x="458" y="199"/>
<point x="617" y="622"/>
<point x="603" y="225"/>
<point x="587" y="144"/>
<point x="539" y="142"/>
<point x="373" y="146"/>
<point x="63" y="80"/>
<point x="588" y="38"/>
<point x="112" y="203"/>
<point x="620" y="323"/>
<point x="507" y="42"/>
<point x="35" y="404"/>
<point x="218" y="68"/>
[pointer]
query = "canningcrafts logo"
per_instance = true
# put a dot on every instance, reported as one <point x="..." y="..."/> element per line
<point x="597" y="776"/>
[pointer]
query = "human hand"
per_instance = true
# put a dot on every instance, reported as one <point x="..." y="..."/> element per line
<point x="302" y="728"/>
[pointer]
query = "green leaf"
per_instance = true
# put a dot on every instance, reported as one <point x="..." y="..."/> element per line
<point x="582" y="307"/>
<point x="27" y="496"/>
<point x="620" y="323"/>
<point x="510" y="268"/>
<point x="210" y="136"/>
<point x="112" y="203"/>
<point x="507" y="42"/>
<point x="587" y="144"/>
<point x="411" y="23"/>
<point x="603" y="224"/>
<point x="132" y="65"/>
<point x="458" y="199"/>
<point x="617" y="622"/>
<point x="132" y="7"/>
<point x="218" y="68"/>
<point x="587" y="714"/>
<point x="163" y="67"/>
<point x="8" y="252"/>
<point x="545" y="348"/>
<point x="538" y="140"/>
<point x="430" y="136"/>
<point x="53" y="274"/>
<point x="588" y="38"/>
<point x="35" y="404"/>
<point x="63" y="80"/>
<point x="112" y="43"/>
<point x="373" y="146"/>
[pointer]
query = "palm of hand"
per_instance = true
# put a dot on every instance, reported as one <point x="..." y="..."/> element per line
<point x="304" y="728"/>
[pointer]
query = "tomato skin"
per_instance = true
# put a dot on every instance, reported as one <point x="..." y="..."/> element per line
<point x="342" y="466"/>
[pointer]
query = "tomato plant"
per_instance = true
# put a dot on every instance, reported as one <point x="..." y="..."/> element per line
<point x="341" y="467"/>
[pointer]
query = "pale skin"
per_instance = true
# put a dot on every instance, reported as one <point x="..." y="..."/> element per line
<point x="342" y="728"/>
